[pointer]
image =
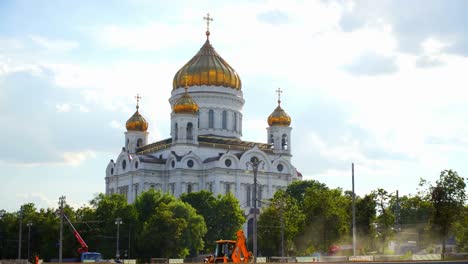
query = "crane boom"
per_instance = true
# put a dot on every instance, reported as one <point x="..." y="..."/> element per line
<point x="84" y="246"/>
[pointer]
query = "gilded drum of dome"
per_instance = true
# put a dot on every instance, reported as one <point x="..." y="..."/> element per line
<point x="137" y="123"/>
<point x="207" y="68"/>
<point x="279" y="118"/>
<point x="185" y="104"/>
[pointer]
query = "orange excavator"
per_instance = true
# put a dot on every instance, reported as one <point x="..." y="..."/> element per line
<point x="231" y="251"/>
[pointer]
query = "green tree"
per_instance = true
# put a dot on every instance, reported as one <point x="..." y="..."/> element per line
<point x="170" y="227"/>
<point x="448" y="199"/>
<point x="282" y="212"/>
<point x="386" y="217"/>
<point x="413" y="221"/>
<point x="223" y="215"/>
<point x="461" y="231"/>
<point x="326" y="219"/>
<point x="298" y="189"/>
<point x="103" y="233"/>
<point x="365" y="221"/>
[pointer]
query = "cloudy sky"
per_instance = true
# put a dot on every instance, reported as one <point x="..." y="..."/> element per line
<point x="382" y="84"/>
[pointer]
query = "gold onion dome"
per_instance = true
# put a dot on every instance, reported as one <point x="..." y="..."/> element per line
<point x="185" y="104"/>
<point x="279" y="116"/>
<point x="137" y="122"/>
<point x="207" y="68"/>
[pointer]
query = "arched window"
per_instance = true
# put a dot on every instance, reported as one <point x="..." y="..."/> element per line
<point x="272" y="140"/>
<point x="284" y="142"/>
<point x="176" y="131"/>
<point x="224" y="119"/>
<point x="211" y="118"/>
<point x="234" y="127"/>
<point x="189" y="188"/>
<point x="189" y="131"/>
<point x="139" y="142"/>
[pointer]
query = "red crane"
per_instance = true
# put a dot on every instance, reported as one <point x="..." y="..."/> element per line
<point x="84" y="246"/>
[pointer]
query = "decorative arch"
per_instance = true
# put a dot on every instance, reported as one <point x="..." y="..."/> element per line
<point x="255" y="151"/>
<point x="235" y="161"/>
<point x="287" y="168"/>
<point x="197" y="162"/>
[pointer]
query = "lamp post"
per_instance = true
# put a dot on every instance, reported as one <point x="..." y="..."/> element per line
<point x="29" y="224"/>
<point x="255" y="163"/>
<point x="61" y="203"/>
<point x="20" y="233"/>
<point x="118" y="222"/>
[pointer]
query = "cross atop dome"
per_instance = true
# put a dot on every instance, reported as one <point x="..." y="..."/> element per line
<point x="279" y="92"/>
<point x="208" y="20"/>
<point x="138" y="97"/>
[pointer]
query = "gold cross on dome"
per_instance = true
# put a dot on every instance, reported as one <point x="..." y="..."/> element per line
<point x="279" y="92"/>
<point x="208" y="19"/>
<point x="138" y="97"/>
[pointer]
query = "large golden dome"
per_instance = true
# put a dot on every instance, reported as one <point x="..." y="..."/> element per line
<point x="185" y="105"/>
<point x="137" y="122"/>
<point x="207" y="68"/>
<point x="279" y="117"/>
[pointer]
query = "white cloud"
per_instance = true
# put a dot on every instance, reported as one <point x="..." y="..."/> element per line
<point x="62" y="108"/>
<point x="116" y="124"/>
<point x="76" y="158"/>
<point x="55" y="44"/>
<point x="40" y="200"/>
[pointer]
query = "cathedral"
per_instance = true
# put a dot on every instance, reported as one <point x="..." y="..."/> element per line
<point x="205" y="150"/>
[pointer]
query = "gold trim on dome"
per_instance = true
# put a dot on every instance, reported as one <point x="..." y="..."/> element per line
<point x="207" y="68"/>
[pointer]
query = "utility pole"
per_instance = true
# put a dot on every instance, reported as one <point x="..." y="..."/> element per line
<point x="29" y="224"/>
<point x="118" y="222"/>
<point x="20" y="234"/>
<point x="61" y="203"/>
<point x="254" y="162"/>
<point x="282" y="231"/>
<point x="354" y="212"/>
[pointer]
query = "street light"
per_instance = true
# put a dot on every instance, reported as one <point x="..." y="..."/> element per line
<point x="29" y="224"/>
<point x="118" y="222"/>
<point x="20" y="232"/>
<point x="254" y="162"/>
<point x="61" y="204"/>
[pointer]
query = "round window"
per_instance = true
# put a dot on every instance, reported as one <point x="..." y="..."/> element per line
<point x="190" y="163"/>
<point x="112" y="171"/>
<point x="228" y="163"/>
<point x="136" y="164"/>
<point x="280" y="167"/>
<point x="124" y="164"/>
<point x="173" y="164"/>
<point x="254" y="159"/>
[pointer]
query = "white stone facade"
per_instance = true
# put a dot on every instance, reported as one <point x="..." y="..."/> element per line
<point x="204" y="152"/>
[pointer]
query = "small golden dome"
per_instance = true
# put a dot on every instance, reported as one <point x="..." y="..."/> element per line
<point x="185" y="105"/>
<point x="137" y="122"/>
<point x="207" y="68"/>
<point x="279" y="118"/>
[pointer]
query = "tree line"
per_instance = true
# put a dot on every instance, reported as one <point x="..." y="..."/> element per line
<point x="304" y="218"/>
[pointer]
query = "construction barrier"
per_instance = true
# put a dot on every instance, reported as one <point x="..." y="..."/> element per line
<point x="176" y="261"/>
<point x="261" y="260"/>
<point x="361" y="258"/>
<point x="427" y="257"/>
<point x="307" y="259"/>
